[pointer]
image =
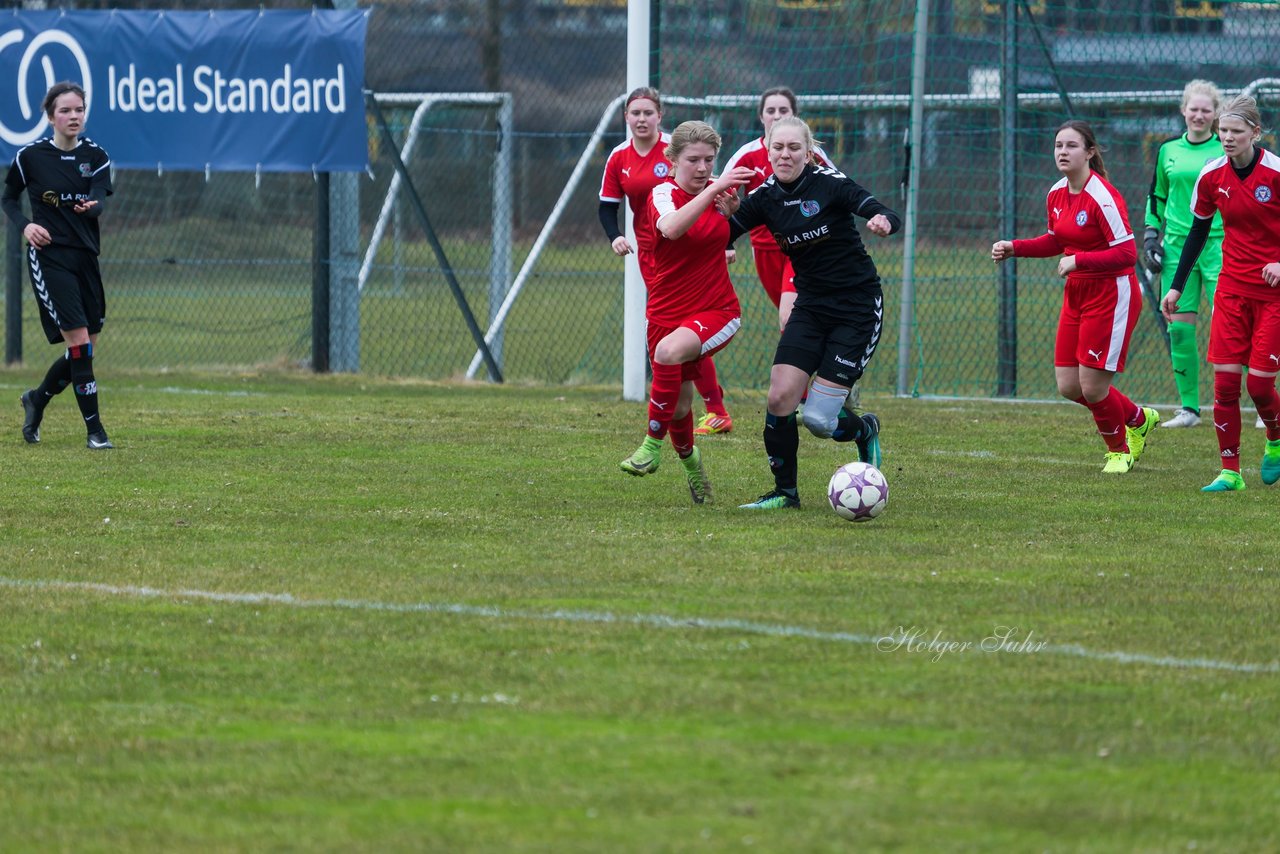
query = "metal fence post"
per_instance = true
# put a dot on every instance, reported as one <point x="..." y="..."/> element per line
<point x="1007" y="340"/>
<point x="13" y="295"/>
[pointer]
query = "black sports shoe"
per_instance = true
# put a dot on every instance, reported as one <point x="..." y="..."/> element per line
<point x="34" y="414"/>
<point x="98" y="441"/>
<point x="869" y="445"/>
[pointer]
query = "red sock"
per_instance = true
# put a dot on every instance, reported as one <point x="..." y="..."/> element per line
<point x="664" y="394"/>
<point x="708" y="385"/>
<point x="681" y="435"/>
<point x="1108" y="414"/>
<point x="1263" y="392"/>
<point x="1132" y="412"/>
<point x="1226" y="417"/>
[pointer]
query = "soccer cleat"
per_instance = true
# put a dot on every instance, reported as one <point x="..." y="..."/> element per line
<point x="1184" y="417"/>
<point x="1137" y="436"/>
<point x="645" y="460"/>
<point x="1118" y="462"/>
<point x="1271" y="462"/>
<point x="1226" y="481"/>
<point x="775" y="499"/>
<point x="869" y="445"/>
<point x="712" y="423"/>
<point x="98" y="441"/>
<point x="696" y="474"/>
<point x="33" y="415"/>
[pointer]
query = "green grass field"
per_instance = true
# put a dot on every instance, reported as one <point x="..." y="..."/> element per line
<point x="341" y="613"/>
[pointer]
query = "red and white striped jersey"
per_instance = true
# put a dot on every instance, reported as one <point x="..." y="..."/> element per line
<point x="1251" y="221"/>
<point x="633" y="177"/>
<point x="755" y="156"/>
<point x="690" y="273"/>
<point x="1092" y="220"/>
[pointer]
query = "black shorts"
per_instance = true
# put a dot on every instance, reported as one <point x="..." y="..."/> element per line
<point x="835" y="345"/>
<point x="68" y="287"/>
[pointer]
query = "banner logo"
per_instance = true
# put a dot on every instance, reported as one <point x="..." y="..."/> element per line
<point x="235" y="90"/>
<point x="34" y="121"/>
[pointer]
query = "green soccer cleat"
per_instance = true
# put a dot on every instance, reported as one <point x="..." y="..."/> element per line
<point x="645" y="460"/>
<point x="696" y="474"/>
<point x="1271" y="462"/>
<point x="1226" y="481"/>
<point x="869" y="447"/>
<point x="775" y="499"/>
<point x="1117" y="462"/>
<point x="1137" y="436"/>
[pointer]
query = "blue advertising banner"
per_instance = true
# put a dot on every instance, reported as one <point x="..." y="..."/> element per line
<point x="278" y="91"/>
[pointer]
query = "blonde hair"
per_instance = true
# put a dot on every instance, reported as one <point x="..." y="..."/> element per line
<point x="1202" y="87"/>
<point x="1245" y="108"/>
<point x="687" y="134"/>
<point x="793" y="121"/>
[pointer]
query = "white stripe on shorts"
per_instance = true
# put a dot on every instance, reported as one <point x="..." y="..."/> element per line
<point x="730" y="329"/>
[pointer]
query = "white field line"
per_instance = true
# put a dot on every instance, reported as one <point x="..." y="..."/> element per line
<point x="657" y="621"/>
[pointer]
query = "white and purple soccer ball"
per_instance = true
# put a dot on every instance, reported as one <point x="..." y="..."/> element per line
<point x="858" y="492"/>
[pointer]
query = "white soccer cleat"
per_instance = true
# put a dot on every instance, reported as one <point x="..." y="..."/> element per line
<point x="1183" y="418"/>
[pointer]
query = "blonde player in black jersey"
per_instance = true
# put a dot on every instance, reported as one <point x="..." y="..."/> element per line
<point x="839" y="311"/>
<point x="66" y="178"/>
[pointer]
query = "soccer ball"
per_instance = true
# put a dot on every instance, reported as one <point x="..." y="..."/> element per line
<point x="858" y="492"/>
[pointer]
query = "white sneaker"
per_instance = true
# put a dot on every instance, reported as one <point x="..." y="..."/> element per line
<point x="1183" y="418"/>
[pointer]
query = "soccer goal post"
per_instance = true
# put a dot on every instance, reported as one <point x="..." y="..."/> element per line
<point x="500" y="104"/>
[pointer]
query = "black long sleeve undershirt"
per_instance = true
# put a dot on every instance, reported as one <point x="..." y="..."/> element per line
<point x="12" y="202"/>
<point x="609" y="219"/>
<point x="1196" y="239"/>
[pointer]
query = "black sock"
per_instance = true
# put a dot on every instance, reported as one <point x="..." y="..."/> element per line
<point x="781" y="441"/>
<point x="57" y="378"/>
<point x="849" y="427"/>
<point x="86" y="386"/>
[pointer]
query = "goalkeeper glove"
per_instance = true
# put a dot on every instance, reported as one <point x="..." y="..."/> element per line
<point x="1154" y="250"/>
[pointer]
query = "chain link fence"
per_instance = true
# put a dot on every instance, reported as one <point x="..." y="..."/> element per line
<point x="217" y="271"/>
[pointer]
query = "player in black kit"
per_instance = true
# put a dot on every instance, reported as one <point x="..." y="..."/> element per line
<point x="839" y="311"/>
<point x="66" y="178"/>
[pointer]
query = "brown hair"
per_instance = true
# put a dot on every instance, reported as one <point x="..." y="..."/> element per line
<point x="56" y="91"/>
<point x="1090" y="141"/>
<point x="784" y="91"/>
<point x="643" y="92"/>
<point x="687" y="134"/>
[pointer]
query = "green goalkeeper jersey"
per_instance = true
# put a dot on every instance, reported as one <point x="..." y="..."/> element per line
<point x="1178" y="164"/>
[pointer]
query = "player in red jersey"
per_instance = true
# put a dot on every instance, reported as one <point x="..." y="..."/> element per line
<point x="1089" y="227"/>
<point x="1244" y="185"/>
<point x="633" y="169"/>
<point x="692" y="310"/>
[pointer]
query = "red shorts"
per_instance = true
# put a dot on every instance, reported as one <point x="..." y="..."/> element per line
<point x="1245" y="331"/>
<point x="714" y="329"/>
<point x="774" y="270"/>
<point x="1097" y="320"/>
